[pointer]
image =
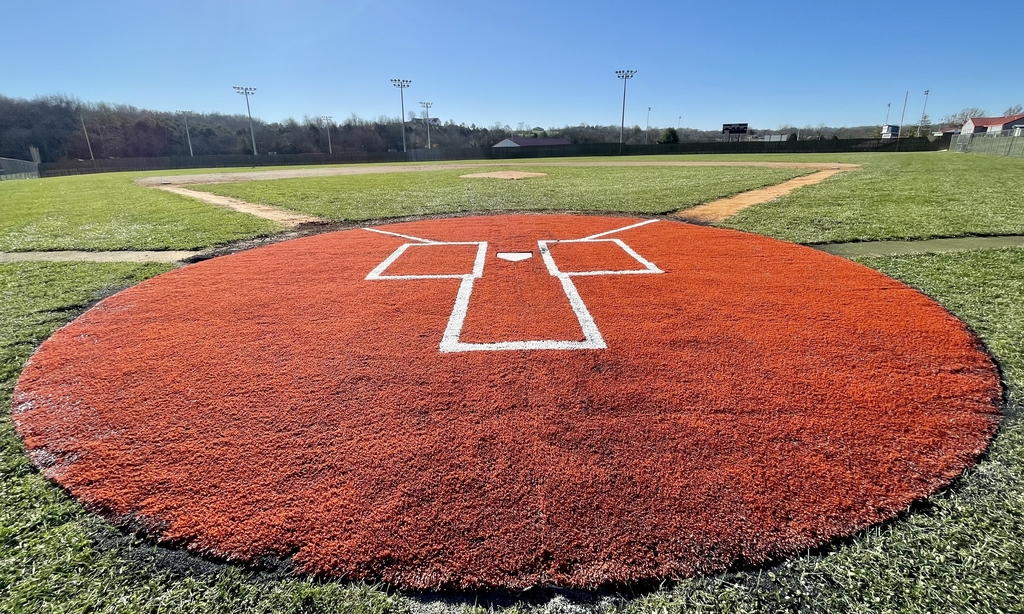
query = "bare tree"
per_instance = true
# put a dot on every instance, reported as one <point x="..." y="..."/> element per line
<point x="959" y="119"/>
<point x="1014" y="110"/>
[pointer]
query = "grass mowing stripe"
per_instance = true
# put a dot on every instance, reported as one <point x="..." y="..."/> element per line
<point x="899" y="196"/>
<point x="632" y="189"/>
<point x="109" y="212"/>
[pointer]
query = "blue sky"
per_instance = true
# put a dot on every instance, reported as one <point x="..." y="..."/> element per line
<point x="768" y="62"/>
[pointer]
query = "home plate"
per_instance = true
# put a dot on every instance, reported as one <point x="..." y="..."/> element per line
<point x="514" y="256"/>
<point x="426" y="404"/>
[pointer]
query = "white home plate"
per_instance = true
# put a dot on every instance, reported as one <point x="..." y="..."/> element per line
<point x="514" y="256"/>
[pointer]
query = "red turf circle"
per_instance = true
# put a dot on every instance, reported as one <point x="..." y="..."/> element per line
<point x="630" y="401"/>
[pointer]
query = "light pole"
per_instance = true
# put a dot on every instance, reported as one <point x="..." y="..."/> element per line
<point x="327" y="119"/>
<point x="401" y="84"/>
<point x="679" y="122"/>
<point x="920" y="127"/>
<point x="426" y="106"/>
<point x="625" y="75"/>
<point x="888" y="107"/>
<point x="187" y="135"/>
<point x="246" y="91"/>
<point x="899" y="135"/>
<point x="647" y="133"/>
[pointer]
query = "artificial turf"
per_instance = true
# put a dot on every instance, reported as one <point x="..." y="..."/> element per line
<point x="722" y="420"/>
<point x="960" y="550"/>
<point x="109" y="212"/>
<point x="634" y="189"/>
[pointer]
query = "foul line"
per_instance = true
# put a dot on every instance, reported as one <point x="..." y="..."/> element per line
<point x="395" y="234"/>
<point x="611" y="232"/>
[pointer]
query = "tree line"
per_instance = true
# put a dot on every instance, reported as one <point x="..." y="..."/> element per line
<point x="58" y="125"/>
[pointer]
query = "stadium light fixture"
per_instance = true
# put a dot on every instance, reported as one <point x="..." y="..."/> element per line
<point x="647" y="133"/>
<point x="888" y="107"/>
<point x="401" y="84"/>
<point x="247" y="91"/>
<point x="625" y="75"/>
<point x="188" y="136"/>
<point x="328" y="119"/>
<point x="426" y="106"/>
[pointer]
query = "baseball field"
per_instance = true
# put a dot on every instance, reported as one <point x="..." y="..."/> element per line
<point x="404" y="389"/>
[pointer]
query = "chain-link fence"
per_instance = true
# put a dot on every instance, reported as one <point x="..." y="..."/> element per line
<point x="1007" y="143"/>
<point x="18" y="169"/>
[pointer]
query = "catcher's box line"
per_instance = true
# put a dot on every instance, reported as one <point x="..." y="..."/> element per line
<point x="450" y="340"/>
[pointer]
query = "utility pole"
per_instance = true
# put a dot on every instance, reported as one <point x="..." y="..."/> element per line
<point x="920" y="127"/>
<point x="647" y="133"/>
<point x="426" y="106"/>
<point x="327" y="119"/>
<point x="82" y="117"/>
<point x="187" y="135"/>
<point x="902" y="115"/>
<point x="888" y="105"/>
<point x="401" y="84"/>
<point x="625" y="75"/>
<point x="247" y="91"/>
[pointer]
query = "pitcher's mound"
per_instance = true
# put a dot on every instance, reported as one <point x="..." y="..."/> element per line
<point x="503" y="175"/>
<point x="505" y="401"/>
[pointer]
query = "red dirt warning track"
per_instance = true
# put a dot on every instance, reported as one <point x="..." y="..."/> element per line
<point x="670" y="403"/>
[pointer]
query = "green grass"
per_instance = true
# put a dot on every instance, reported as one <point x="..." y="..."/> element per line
<point x="894" y="196"/>
<point x="109" y="212"/>
<point x="635" y="190"/>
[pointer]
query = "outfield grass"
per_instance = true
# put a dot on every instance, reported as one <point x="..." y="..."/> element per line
<point x="109" y="212"/>
<point x="898" y="196"/>
<point x="634" y="190"/>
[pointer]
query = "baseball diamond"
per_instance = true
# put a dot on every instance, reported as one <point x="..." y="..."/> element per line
<point x="507" y="400"/>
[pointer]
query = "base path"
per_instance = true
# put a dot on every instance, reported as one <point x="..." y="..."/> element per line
<point x="712" y="212"/>
<point x="725" y="208"/>
<point x="84" y="256"/>
<point x="510" y="400"/>
<point x="285" y="218"/>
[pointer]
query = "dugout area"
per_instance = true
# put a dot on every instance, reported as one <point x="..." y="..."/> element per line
<point x="634" y="400"/>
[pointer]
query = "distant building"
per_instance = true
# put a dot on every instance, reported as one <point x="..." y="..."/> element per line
<point x="977" y="125"/>
<point x="518" y="141"/>
<point x="890" y="131"/>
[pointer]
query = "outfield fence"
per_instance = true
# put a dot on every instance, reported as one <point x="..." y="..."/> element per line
<point x="18" y="169"/>
<point x="1008" y="143"/>
<point x="78" y="167"/>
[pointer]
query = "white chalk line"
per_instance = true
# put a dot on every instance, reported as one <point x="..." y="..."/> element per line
<point x="451" y="339"/>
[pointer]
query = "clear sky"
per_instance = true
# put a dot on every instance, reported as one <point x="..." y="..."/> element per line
<point x="543" y="63"/>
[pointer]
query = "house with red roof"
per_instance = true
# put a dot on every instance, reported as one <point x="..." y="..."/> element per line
<point x="517" y="141"/>
<point x="977" y="125"/>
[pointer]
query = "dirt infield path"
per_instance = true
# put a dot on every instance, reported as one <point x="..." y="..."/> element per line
<point x="724" y="208"/>
<point x="285" y="218"/>
<point x="711" y="212"/>
<point x="82" y="256"/>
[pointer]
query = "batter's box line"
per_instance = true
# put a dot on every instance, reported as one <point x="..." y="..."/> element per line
<point x="450" y="340"/>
